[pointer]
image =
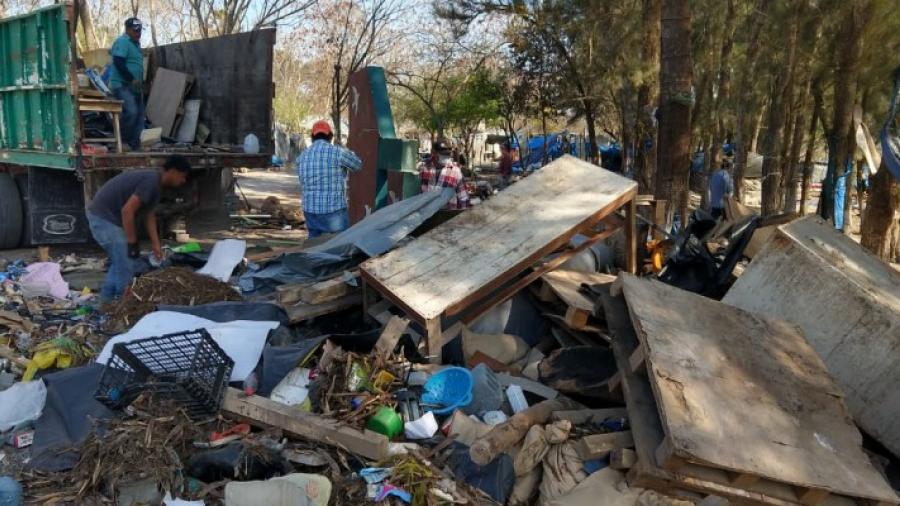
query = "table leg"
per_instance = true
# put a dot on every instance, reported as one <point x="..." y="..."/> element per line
<point x="117" y="132"/>
<point x="631" y="237"/>
<point x="433" y="339"/>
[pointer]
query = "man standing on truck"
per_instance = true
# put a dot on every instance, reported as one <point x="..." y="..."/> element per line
<point x="323" y="169"/>
<point x="114" y="211"/>
<point x="126" y="81"/>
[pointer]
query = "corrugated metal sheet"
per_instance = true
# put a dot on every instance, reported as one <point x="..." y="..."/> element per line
<point x="38" y="122"/>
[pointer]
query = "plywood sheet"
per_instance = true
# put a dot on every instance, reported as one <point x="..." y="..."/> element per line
<point x="166" y="95"/>
<point x="847" y="302"/>
<point x="745" y="393"/>
<point x="507" y="233"/>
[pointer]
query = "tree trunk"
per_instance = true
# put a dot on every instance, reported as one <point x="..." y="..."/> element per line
<point x="724" y="92"/>
<point x="336" y="104"/>
<point x="811" y="144"/>
<point x="744" y="132"/>
<point x="845" y="73"/>
<point x="648" y="96"/>
<point x="789" y="183"/>
<point x="773" y="149"/>
<point x="87" y="24"/>
<point x="880" y="227"/>
<point x="590" y="117"/>
<point x="676" y="72"/>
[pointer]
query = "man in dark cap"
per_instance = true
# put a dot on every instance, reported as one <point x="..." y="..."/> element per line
<point x="126" y="81"/>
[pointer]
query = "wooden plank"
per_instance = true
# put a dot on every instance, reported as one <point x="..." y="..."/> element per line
<point x="491" y="363"/>
<point x="622" y="458"/>
<point x="166" y="94"/>
<point x="301" y="312"/>
<point x="566" y="285"/>
<point x="793" y="278"/>
<point x="598" y="446"/>
<point x="631" y="237"/>
<point x="391" y="335"/>
<point x="747" y="394"/>
<point x="502" y="237"/>
<point x="327" y="290"/>
<point x="264" y="412"/>
<point x="289" y="293"/>
<point x="646" y="428"/>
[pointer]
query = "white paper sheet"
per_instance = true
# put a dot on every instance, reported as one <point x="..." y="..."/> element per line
<point x="242" y="340"/>
<point x="225" y="256"/>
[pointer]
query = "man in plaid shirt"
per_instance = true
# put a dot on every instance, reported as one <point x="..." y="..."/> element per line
<point x="323" y="168"/>
<point x="440" y="171"/>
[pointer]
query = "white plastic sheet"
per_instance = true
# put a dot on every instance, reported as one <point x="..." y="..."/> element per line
<point x="242" y="340"/>
<point x="225" y="256"/>
<point x="22" y="402"/>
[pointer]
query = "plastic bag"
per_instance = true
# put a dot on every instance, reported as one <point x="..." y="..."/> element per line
<point x="21" y="402"/>
<point x="251" y="144"/>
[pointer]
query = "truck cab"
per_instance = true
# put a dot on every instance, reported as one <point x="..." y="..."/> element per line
<point x="49" y="171"/>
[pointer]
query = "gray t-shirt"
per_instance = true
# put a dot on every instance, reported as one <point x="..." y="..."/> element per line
<point x="113" y="195"/>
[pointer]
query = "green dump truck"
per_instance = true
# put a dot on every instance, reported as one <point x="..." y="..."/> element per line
<point x="48" y="173"/>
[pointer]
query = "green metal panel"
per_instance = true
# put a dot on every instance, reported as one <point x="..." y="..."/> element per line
<point x="38" y="121"/>
<point x="382" y="106"/>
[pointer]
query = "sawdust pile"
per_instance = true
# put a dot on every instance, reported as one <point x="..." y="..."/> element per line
<point x="171" y="286"/>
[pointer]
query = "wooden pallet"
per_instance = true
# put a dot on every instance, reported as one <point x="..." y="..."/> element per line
<point x="670" y="459"/>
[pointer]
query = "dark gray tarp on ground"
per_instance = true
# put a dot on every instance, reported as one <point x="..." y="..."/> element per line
<point x="222" y="312"/>
<point x="68" y="417"/>
<point x="373" y="236"/>
<point x="278" y="361"/>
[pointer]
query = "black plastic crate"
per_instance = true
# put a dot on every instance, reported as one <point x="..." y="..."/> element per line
<point x="186" y="367"/>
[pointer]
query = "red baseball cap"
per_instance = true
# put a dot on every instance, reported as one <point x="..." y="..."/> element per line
<point x="321" y="127"/>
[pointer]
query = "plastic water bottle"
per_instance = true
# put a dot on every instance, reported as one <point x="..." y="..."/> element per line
<point x="10" y="492"/>
<point x="251" y="144"/>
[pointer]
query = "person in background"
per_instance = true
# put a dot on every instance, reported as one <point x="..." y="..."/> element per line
<point x="323" y="169"/>
<point x="720" y="186"/>
<point x="126" y="81"/>
<point x="440" y="171"/>
<point x="114" y="212"/>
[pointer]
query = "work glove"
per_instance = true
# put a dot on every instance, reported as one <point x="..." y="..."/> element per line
<point x="134" y="250"/>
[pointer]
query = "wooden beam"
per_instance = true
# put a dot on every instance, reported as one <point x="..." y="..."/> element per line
<point x="742" y="480"/>
<point x="263" y="412"/>
<point x="327" y="290"/>
<point x="622" y="458"/>
<point x="598" y="446"/>
<point x="666" y="458"/>
<point x="301" y="312"/>
<point x="289" y="293"/>
<point x="615" y="383"/>
<point x="638" y="360"/>
<point x="576" y="318"/>
<point x="631" y="237"/>
<point x="580" y="416"/>
<point x="391" y="334"/>
<point x="811" y="496"/>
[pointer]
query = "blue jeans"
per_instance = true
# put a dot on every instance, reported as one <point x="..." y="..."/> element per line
<point x="318" y="224"/>
<point x="132" y="122"/>
<point x="111" y="238"/>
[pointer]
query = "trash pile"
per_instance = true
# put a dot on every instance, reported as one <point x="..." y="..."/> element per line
<point x="170" y="286"/>
<point x="309" y="386"/>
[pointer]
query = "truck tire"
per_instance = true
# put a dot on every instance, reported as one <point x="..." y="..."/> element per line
<point x="10" y="213"/>
<point x="22" y="182"/>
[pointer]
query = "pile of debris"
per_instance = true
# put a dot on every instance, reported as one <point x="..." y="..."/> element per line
<point x="479" y="363"/>
<point x="170" y="286"/>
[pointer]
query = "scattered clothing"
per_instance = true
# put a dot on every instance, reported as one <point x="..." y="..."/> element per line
<point x="450" y="176"/>
<point x="323" y="169"/>
<point x="112" y="196"/>
<point x="720" y="185"/>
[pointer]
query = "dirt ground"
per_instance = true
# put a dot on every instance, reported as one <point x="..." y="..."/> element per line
<point x="257" y="184"/>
